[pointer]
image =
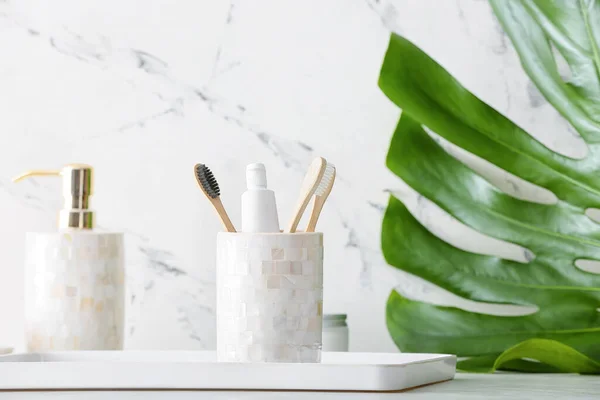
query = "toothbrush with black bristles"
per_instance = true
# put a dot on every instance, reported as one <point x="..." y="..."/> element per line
<point x="207" y="182"/>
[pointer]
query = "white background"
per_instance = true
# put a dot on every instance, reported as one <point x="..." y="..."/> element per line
<point x="144" y="89"/>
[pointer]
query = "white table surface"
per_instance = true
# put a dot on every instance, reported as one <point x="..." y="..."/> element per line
<point x="465" y="386"/>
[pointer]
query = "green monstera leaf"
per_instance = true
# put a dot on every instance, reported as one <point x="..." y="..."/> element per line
<point x="563" y="334"/>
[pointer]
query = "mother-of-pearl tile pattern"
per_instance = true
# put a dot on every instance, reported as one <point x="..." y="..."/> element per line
<point x="144" y="89"/>
<point x="269" y="297"/>
<point x="74" y="291"/>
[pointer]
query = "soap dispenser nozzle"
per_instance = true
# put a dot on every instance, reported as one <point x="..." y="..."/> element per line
<point x="77" y="189"/>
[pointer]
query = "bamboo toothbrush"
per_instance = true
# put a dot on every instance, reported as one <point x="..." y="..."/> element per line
<point x="210" y="187"/>
<point x="321" y="195"/>
<point x="309" y="185"/>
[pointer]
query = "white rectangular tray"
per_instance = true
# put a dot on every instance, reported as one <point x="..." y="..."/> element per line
<point x="200" y="370"/>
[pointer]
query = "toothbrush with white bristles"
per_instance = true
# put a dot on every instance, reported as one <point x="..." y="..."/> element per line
<point x="311" y="181"/>
<point x="321" y="195"/>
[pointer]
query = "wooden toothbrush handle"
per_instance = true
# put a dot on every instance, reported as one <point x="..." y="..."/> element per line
<point x="223" y="215"/>
<point x="316" y="212"/>
<point x="293" y="225"/>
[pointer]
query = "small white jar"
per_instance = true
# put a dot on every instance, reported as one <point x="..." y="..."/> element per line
<point x="335" y="332"/>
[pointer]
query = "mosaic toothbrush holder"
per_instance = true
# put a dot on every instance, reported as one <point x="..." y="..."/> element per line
<point x="269" y="297"/>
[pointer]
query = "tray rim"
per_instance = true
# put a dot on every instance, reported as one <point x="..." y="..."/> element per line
<point x="3" y="358"/>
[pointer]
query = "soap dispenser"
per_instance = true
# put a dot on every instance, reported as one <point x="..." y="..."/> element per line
<point x="74" y="278"/>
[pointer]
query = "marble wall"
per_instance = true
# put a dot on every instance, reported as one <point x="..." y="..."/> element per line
<point x="144" y="89"/>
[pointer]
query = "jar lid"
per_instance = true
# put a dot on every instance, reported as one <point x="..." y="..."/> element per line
<point x="334" y="317"/>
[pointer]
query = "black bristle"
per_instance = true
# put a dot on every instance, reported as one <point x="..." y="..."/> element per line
<point x="207" y="180"/>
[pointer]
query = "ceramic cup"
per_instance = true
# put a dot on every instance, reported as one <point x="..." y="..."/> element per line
<point x="269" y="297"/>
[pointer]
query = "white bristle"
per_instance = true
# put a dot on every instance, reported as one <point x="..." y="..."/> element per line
<point x="325" y="180"/>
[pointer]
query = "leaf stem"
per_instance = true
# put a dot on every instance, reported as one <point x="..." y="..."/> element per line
<point x="593" y="44"/>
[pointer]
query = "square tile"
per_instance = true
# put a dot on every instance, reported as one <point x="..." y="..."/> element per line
<point x="293" y="254"/>
<point x="282" y="267"/>
<point x="308" y="268"/>
<point x="292" y="323"/>
<point x="304" y="282"/>
<point x="278" y="254"/>
<point x="287" y="282"/>
<point x="314" y="324"/>
<point x="279" y="322"/>
<point x="303" y="323"/>
<point x="300" y="295"/>
<point x="296" y="267"/>
<point x="255" y="254"/>
<point x="287" y="241"/>
<point x="274" y="282"/>
<point x="256" y="269"/>
<point x="292" y="310"/>
<point x="268" y="267"/>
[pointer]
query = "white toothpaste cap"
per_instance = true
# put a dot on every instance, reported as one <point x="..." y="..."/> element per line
<point x="256" y="176"/>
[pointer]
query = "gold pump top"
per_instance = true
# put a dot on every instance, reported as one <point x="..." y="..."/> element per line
<point x="76" y="190"/>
